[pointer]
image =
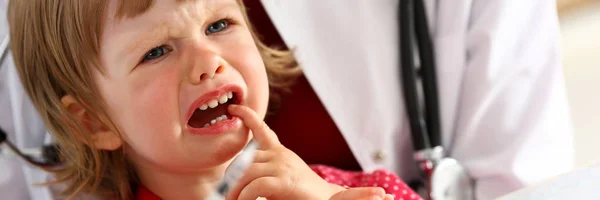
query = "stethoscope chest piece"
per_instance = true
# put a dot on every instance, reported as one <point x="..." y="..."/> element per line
<point x="451" y="181"/>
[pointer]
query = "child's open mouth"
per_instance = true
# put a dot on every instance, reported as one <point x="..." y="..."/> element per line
<point x="213" y="111"/>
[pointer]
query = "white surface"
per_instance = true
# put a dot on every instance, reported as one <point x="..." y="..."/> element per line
<point x="581" y="58"/>
<point x="579" y="184"/>
<point x="581" y="54"/>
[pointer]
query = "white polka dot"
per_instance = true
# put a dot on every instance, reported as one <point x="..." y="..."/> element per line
<point x="395" y="187"/>
<point x="401" y="199"/>
<point x="375" y="185"/>
<point x="376" y="178"/>
<point x="397" y="181"/>
<point x="387" y="178"/>
<point x="412" y="196"/>
<point x="404" y="192"/>
<point x="385" y="185"/>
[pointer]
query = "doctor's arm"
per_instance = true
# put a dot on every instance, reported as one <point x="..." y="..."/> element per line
<point x="512" y="125"/>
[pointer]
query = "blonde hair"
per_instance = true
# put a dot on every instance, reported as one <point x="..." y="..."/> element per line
<point x="54" y="44"/>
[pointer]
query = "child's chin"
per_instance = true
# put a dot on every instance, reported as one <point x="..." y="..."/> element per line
<point x="225" y="151"/>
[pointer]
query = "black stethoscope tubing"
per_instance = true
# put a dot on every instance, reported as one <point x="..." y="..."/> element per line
<point x="49" y="153"/>
<point x="414" y="32"/>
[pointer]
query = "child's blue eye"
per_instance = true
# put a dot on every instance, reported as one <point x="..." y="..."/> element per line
<point x="155" y="53"/>
<point x="217" y="26"/>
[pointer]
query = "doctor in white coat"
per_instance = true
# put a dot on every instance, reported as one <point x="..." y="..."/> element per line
<point x="503" y="104"/>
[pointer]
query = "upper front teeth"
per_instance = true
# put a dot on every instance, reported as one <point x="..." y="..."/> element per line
<point x="215" y="102"/>
<point x="203" y="107"/>
<point x="223" y="99"/>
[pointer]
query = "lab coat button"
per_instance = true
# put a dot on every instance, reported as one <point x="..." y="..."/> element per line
<point x="379" y="156"/>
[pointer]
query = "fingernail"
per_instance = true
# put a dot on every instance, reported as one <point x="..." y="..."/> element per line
<point x="233" y="106"/>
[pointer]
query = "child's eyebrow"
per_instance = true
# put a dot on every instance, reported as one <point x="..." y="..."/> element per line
<point x="142" y="42"/>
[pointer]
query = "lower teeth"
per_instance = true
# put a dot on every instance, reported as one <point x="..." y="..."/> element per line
<point x="214" y="121"/>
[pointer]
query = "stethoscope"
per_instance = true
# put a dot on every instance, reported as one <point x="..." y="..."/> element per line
<point x="44" y="157"/>
<point x="442" y="178"/>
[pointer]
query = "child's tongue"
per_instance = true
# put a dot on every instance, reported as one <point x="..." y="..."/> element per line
<point x="202" y="117"/>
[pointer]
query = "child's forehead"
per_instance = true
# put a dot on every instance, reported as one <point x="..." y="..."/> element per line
<point x="168" y="15"/>
<point x="131" y="8"/>
<point x="163" y="15"/>
<point x="149" y="22"/>
<point x="123" y="9"/>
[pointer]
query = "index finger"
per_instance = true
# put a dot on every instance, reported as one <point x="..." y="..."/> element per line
<point x="263" y="135"/>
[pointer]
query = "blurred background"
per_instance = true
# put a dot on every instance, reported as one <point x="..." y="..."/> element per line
<point x="580" y="24"/>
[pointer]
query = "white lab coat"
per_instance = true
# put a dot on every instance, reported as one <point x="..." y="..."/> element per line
<point x="503" y="104"/>
<point x="504" y="109"/>
<point x="25" y="129"/>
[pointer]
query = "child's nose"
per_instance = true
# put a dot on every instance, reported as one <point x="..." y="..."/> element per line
<point x="207" y="64"/>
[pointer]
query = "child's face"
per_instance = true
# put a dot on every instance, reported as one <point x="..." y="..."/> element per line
<point x="162" y="65"/>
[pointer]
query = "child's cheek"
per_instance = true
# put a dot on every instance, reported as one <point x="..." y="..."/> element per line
<point x="153" y="107"/>
<point x="255" y="75"/>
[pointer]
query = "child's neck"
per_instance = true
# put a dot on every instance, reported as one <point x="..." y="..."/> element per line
<point x="171" y="185"/>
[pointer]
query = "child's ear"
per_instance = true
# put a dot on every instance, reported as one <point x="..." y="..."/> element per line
<point x="102" y="137"/>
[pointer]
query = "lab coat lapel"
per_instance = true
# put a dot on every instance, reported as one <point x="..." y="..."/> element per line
<point x="450" y="32"/>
